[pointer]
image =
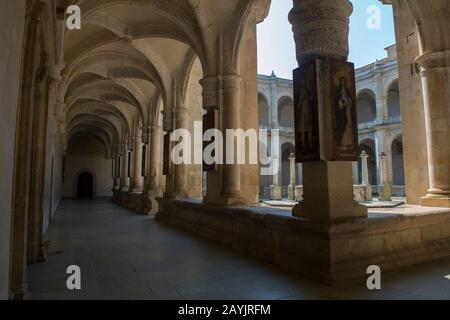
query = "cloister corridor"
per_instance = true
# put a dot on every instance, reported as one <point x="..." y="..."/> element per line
<point x="124" y="255"/>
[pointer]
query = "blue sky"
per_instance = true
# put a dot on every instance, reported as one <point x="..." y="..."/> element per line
<point x="276" y="48"/>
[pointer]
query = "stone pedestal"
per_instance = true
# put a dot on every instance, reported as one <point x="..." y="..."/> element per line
<point x="275" y="188"/>
<point x="385" y="188"/>
<point x="328" y="193"/>
<point x="275" y="193"/>
<point x="299" y="193"/>
<point x="365" y="177"/>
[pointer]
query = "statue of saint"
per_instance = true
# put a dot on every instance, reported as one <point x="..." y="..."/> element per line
<point x="344" y="119"/>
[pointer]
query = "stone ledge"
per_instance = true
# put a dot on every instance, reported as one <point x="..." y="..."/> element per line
<point x="334" y="254"/>
<point x="138" y="202"/>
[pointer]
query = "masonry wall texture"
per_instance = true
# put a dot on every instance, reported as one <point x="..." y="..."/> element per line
<point x="12" y="22"/>
<point x="411" y="102"/>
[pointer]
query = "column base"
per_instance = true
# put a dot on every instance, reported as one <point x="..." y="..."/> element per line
<point x="299" y="193"/>
<point x="347" y="212"/>
<point x="291" y="193"/>
<point x="385" y="192"/>
<point x="275" y="193"/>
<point x="328" y="193"/>
<point x="368" y="193"/>
<point x="435" y="201"/>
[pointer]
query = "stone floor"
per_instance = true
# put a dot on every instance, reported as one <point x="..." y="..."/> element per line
<point x="123" y="255"/>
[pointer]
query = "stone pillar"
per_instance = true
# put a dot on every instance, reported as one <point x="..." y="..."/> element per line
<point x="168" y="127"/>
<point x="231" y="173"/>
<point x="273" y="107"/>
<point x="275" y="188"/>
<point x="381" y="99"/>
<point x="116" y="173"/>
<point x="321" y="29"/>
<point x="137" y="181"/>
<point x="365" y="176"/>
<point x="385" y="188"/>
<point x="293" y="177"/>
<point x="124" y="178"/>
<point x="436" y="85"/>
<point x="182" y="117"/>
<point x="155" y="156"/>
<point x="434" y="23"/>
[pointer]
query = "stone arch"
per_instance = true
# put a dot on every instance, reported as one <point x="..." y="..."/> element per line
<point x="286" y="112"/>
<point x="367" y="106"/>
<point x="393" y="100"/>
<point x="369" y="147"/>
<point x="264" y="110"/>
<point x="398" y="168"/>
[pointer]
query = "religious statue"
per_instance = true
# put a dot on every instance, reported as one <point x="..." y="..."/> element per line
<point x="344" y="119"/>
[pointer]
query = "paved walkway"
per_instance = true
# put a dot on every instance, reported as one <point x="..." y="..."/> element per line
<point x="123" y="255"/>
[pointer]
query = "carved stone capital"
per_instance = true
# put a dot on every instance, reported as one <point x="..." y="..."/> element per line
<point x="321" y="28"/>
<point x="210" y="93"/>
<point x="434" y="60"/>
<point x="168" y="119"/>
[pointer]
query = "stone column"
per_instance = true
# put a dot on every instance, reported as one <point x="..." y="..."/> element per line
<point x="124" y="179"/>
<point x="275" y="188"/>
<point x="365" y="176"/>
<point x="433" y="19"/>
<point x="117" y="173"/>
<point x="436" y="84"/>
<point x="168" y="127"/>
<point x="381" y="99"/>
<point x="385" y="188"/>
<point x="273" y="107"/>
<point x="231" y="173"/>
<point x="321" y="29"/>
<point x="155" y="159"/>
<point x="137" y="181"/>
<point x="182" y="117"/>
<point x="293" y="176"/>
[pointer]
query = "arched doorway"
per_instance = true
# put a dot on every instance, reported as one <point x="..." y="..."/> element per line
<point x="369" y="147"/>
<point x="398" y="171"/>
<point x="286" y="112"/>
<point x="263" y="105"/>
<point x="394" y="101"/>
<point x="85" y="186"/>
<point x="367" y="107"/>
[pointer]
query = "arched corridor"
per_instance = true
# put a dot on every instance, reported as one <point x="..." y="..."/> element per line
<point x="126" y="137"/>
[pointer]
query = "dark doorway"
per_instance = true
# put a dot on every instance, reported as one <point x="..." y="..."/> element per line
<point x="85" y="186"/>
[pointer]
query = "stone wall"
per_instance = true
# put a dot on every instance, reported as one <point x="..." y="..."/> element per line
<point x="12" y="22"/>
<point x="99" y="167"/>
<point x="331" y="253"/>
